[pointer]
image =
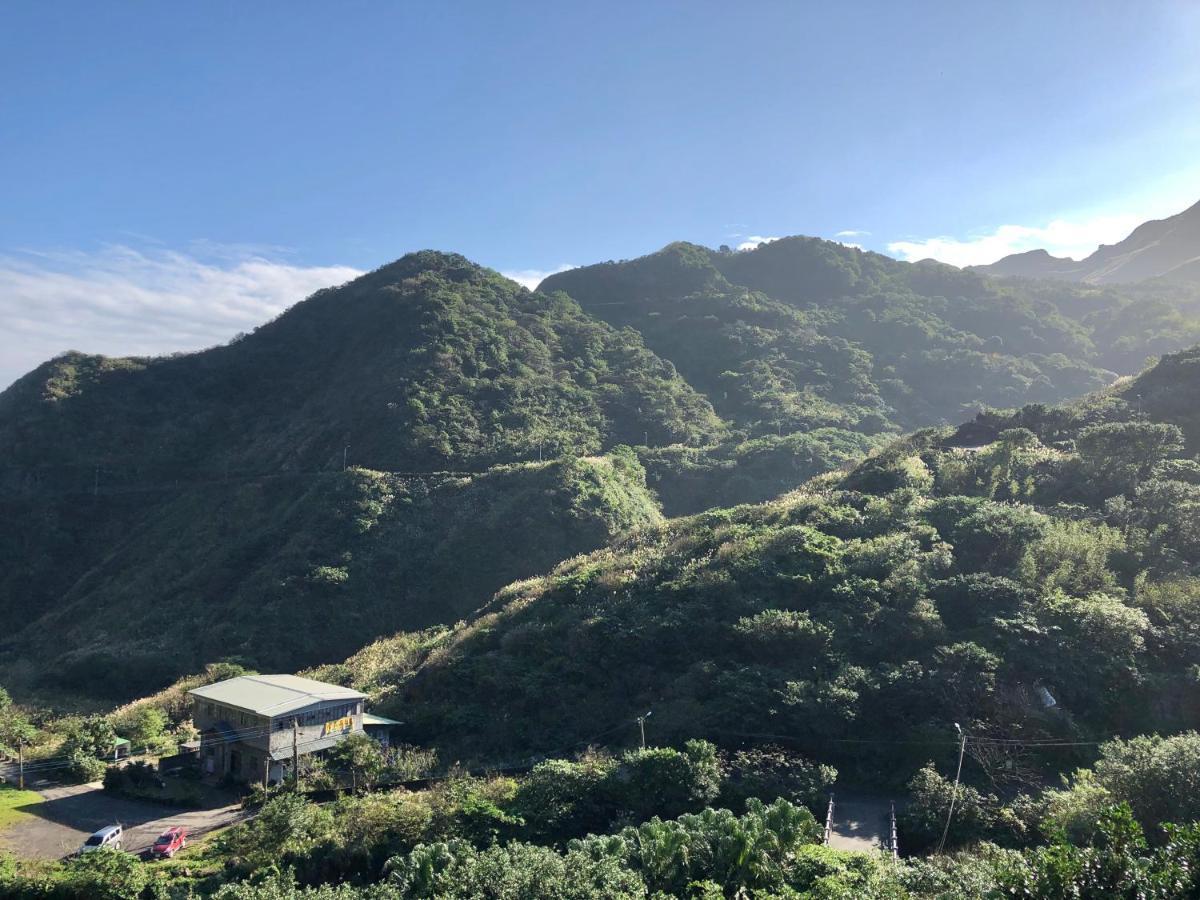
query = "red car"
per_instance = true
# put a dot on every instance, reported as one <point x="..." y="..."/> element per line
<point x="169" y="843"/>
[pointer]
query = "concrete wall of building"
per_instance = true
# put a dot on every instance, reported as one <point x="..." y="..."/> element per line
<point x="260" y="738"/>
<point x="314" y="724"/>
<point x="252" y="729"/>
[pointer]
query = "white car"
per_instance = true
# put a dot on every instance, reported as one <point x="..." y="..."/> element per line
<point x="108" y="836"/>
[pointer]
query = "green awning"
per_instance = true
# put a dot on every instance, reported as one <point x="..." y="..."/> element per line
<point x="370" y="719"/>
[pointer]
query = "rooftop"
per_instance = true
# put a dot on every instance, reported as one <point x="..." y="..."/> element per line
<point x="372" y="719"/>
<point x="273" y="695"/>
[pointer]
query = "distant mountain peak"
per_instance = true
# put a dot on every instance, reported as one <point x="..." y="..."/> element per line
<point x="1167" y="247"/>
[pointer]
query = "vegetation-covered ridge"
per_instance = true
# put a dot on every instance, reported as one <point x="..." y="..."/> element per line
<point x="428" y="363"/>
<point x="157" y="514"/>
<point x="949" y="578"/>
<point x="802" y="334"/>
<point x="329" y="560"/>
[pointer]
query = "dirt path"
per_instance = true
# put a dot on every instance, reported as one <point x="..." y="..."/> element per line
<point x="67" y="815"/>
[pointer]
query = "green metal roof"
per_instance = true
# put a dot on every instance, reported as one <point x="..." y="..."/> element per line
<point x="372" y="719"/>
<point x="273" y="695"/>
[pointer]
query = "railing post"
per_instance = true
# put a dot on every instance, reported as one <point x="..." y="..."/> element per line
<point x="895" y="838"/>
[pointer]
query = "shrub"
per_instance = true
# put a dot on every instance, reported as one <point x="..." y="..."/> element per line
<point x="770" y="773"/>
<point x="665" y="782"/>
<point x="921" y="823"/>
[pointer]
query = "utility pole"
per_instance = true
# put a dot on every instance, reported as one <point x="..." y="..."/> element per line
<point x="962" y="749"/>
<point x="641" y="720"/>
<point x="295" y="753"/>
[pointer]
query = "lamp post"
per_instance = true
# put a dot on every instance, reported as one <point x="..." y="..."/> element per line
<point x="962" y="749"/>
<point x="641" y="720"/>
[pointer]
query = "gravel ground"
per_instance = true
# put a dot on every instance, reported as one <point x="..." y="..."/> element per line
<point x="68" y="814"/>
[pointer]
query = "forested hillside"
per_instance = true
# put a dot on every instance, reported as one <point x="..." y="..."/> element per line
<point x="804" y="336"/>
<point x="948" y="578"/>
<point x="803" y="333"/>
<point x="162" y="513"/>
<point x="286" y="572"/>
<point x="428" y="363"/>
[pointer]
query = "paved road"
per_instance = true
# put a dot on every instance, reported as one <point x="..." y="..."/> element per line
<point x="860" y="822"/>
<point x="69" y="814"/>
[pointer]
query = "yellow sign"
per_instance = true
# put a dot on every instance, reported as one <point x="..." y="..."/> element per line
<point x="342" y="725"/>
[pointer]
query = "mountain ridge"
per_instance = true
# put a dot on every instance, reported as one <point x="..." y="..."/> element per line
<point x="434" y="410"/>
<point x="188" y="498"/>
<point x="1162" y="248"/>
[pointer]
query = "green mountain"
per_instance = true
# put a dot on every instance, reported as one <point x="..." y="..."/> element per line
<point x="947" y="578"/>
<point x="428" y="363"/>
<point x="207" y="490"/>
<point x="816" y="352"/>
<point x="803" y="333"/>
<point x="160" y="513"/>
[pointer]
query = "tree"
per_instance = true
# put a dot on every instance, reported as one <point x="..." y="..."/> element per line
<point x="770" y="772"/>
<point x="922" y="821"/>
<point x="561" y="799"/>
<point x="287" y="825"/>
<point x="1159" y="777"/>
<point x="93" y="735"/>
<point x="1119" y="455"/>
<point x="1116" y="863"/>
<point x="146" y="727"/>
<point x="663" y="781"/>
<point x="88" y="744"/>
<point x="361" y="756"/>
<point x="108" y="874"/>
<point x="15" y="727"/>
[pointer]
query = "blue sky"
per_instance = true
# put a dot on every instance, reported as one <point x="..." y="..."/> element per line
<point x="173" y="173"/>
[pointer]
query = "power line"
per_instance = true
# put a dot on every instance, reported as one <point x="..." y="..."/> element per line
<point x="954" y="796"/>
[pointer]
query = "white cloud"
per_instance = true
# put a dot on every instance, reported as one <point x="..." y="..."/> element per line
<point x="122" y="301"/>
<point x="1061" y="237"/>
<point x="531" y="278"/>
<point x="754" y="240"/>
<point x="850" y="232"/>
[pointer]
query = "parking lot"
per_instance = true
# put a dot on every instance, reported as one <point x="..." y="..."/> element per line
<point x="68" y="814"/>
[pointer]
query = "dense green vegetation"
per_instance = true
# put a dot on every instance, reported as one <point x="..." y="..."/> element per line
<point x="158" y="514"/>
<point x="428" y="363"/>
<point x="163" y="513"/>
<point x="215" y="572"/>
<point x="664" y="823"/>
<point x="948" y="578"/>
<point x="1031" y="576"/>
<point x="804" y="335"/>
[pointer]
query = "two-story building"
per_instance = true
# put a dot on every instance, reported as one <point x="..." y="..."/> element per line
<point x="254" y="726"/>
